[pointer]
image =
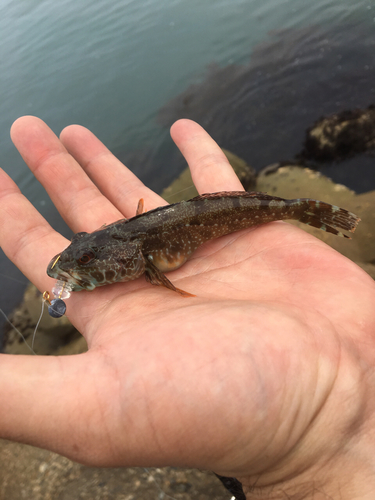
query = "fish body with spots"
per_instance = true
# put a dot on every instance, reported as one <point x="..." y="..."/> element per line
<point x="163" y="239"/>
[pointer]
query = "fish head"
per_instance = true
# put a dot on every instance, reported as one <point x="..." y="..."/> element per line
<point x="94" y="259"/>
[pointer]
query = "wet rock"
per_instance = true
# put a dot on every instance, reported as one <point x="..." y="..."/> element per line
<point x="295" y="182"/>
<point x="31" y="473"/>
<point x="341" y="135"/>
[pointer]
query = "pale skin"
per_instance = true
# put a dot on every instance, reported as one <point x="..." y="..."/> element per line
<point x="267" y="375"/>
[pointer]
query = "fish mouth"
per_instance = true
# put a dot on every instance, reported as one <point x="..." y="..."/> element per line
<point x="76" y="284"/>
<point x="76" y="281"/>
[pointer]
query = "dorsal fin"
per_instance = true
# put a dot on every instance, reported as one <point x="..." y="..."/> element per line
<point x="228" y="194"/>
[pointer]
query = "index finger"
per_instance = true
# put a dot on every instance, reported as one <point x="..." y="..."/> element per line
<point x="25" y="236"/>
<point x="76" y="197"/>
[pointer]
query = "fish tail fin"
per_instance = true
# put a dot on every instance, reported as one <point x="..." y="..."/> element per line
<point x="328" y="217"/>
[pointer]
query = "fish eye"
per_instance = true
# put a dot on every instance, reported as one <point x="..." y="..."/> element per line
<point x="85" y="257"/>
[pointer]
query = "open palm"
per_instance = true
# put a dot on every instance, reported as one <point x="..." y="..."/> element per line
<point x="245" y="379"/>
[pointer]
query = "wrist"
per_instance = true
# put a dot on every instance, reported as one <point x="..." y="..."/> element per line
<point x="335" y="459"/>
<point x="345" y="478"/>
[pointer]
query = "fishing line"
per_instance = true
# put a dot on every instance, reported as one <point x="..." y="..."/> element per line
<point x="175" y="193"/>
<point x="14" y="279"/>
<point x="39" y="320"/>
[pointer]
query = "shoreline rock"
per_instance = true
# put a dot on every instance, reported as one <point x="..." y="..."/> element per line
<point x="341" y="135"/>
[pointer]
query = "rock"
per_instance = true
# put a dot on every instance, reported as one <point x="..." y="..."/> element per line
<point x="295" y="182"/>
<point x="28" y="472"/>
<point x="340" y="135"/>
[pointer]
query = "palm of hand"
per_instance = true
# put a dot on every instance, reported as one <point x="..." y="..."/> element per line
<point x="265" y="312"/>
<point x="232" y="379"/>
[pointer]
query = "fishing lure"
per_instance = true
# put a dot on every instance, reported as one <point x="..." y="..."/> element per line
<point x="163" y="239"/>
<point x="57" y="307"/>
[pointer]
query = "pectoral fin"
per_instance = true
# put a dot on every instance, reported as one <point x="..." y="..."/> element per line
<point x="140" y="207"/>
<point x="156" y="277"/>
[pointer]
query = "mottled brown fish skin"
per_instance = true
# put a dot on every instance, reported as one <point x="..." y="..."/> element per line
<point x="163" y="239"/>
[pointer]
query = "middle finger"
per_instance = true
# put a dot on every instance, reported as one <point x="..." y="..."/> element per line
<point x="114" y="180"/>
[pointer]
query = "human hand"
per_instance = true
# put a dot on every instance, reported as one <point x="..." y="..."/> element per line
<point x="266" y="375"/>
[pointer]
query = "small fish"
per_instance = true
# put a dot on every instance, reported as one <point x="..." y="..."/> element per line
<point x="163" y="239"/>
